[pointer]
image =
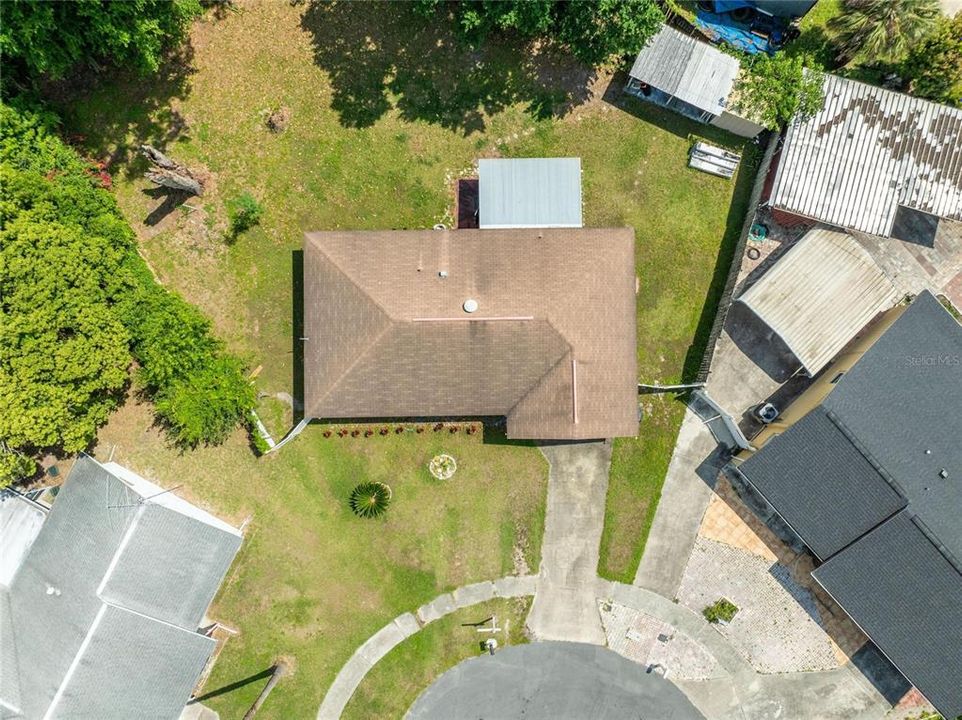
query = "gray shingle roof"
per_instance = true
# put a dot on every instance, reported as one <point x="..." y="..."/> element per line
<point x="903" y="398"/>
<point x="906" y="596"/>
<point x="551" y="346"/>
<point x="868" y="151"/>
<point x="686" y="68"/>
<point x="821" y="484"/>
<point x="893" y="416"/>
<point x="106" y="560"/>
<point x="529" y="192"/>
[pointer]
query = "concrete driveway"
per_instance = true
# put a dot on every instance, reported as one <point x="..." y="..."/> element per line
<point x="564" y="606"/>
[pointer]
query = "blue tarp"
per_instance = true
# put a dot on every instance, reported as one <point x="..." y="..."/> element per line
<point x="720" y="27"/>
<point x="725" y="6"/>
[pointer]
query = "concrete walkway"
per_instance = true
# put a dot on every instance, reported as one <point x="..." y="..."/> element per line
<point x="684" y="499"/>
<point x="565" y="607"/>
<point x="404" y="626"/>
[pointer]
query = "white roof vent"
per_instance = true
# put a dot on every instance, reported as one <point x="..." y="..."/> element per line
<point x="470" y="305"/>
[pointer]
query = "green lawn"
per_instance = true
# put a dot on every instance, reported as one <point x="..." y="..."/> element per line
<point x="312" y="581"/>
<point x="387" y="110"/>
<point x="405" y="672"/>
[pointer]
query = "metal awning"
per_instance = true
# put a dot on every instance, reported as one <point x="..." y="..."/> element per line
<point x="820" y="294"/>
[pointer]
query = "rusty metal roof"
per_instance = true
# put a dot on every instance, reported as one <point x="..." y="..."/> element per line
<point x="868" y="151"/>
<point x="820" y="294"/>
<point x="551" y="345"/>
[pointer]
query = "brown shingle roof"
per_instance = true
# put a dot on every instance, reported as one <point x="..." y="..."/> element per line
<point x="551" y="346"/>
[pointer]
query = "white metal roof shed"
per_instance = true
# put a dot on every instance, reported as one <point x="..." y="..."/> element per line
<point x="820" y="294"/>
<point x="867" y="152"/>
<point x="688" y="69"/>
<point x="529" y="193"/>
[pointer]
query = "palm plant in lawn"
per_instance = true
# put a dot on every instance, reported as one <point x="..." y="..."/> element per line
<point x="881" y="31"/>
<point x="370" y="499"/>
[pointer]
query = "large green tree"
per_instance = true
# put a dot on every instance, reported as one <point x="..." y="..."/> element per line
<point x="881" y="31"/>
<point x="595" y="31"/>
<point x="78" y="306"/>
<point x="934" y="66"/>
<point x="50" y="38"/>
<point x="772" y="90"/>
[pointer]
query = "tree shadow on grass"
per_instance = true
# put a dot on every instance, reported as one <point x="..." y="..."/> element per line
<point x="110" y="114"/>
<point x="381" y="56"/>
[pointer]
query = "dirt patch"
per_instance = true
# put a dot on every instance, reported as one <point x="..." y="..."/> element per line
<point x="519" y="551"/>
<point x="278" y="120"/>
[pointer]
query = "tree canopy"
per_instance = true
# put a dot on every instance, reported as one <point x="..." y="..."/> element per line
<point x="50" y="38"/>
<point x="934" y="66"/>
<point x="875" y="31"/>
<point x="78" y="305"/>
<point x="773" y="90"/>
<point x="595" y="31"/>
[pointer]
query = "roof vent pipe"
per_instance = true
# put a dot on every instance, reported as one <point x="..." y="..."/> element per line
<point x="470" y="305"/>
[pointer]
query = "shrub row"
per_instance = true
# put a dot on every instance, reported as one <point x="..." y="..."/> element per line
<point x="369" y="431"/>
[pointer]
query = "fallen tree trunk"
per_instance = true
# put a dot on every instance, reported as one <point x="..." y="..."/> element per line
<point x="169" y="173"/>
<point x="175" y="181"/>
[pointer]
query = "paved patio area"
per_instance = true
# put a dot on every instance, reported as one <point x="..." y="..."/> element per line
<point x="656" y="644"/>
<point x="776" y="626"/>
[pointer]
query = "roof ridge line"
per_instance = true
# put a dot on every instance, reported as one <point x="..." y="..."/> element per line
<point x="864" y="452"/>
<point x="391" y="324"/>
<point x="350" y="278"/>
<point x="547" y="372"/>
<point x="933" y="538"/>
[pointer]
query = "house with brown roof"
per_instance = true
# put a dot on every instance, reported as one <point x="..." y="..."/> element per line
<point x="534" y="325"/>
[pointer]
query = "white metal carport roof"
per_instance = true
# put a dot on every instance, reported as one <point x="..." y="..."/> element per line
<point x="529" y="193"/>
<point x="688" y="69"/>
<point x="820" y="294"/>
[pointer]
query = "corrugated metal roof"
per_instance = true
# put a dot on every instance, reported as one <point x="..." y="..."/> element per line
<point x="529" y="192"/>
<point x="868" y="151"/>
<point x="820" y="294"/>
<point x="688" y="69"/>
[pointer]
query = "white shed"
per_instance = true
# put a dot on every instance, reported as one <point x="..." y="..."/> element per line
<point x="529" y="193"/>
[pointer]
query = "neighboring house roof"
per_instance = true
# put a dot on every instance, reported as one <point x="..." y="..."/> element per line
<point x="106" y="604"/>
<point x="867" y="152"/>
<point x="822" y="484"/>
<point x="551" y="345"/>
<point x="905" y="595"/>
<point x="20" y="522"/>
<point x="529" y="192"/>
<point x="692" y="71"/>
<point x="846" y="475"/>
<point x="820" y="294"/>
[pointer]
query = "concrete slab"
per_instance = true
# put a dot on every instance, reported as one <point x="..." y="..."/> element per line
<point x="515" y="586"/>
<point x="564" y="607"/>
<point x="684" y="499"/>
<point x="407" y="624"/>
<point x="473" y="594"/>
<point x="437" y="608"/>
